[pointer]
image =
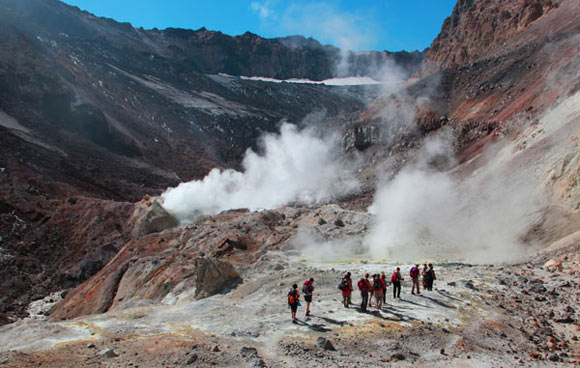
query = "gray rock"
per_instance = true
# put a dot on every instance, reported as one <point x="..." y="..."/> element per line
<point x="191" y="359"/>
<point x="469" y="285"/>
<point x="325" y="344"/>
<point x="249" y="352"/>
<point x="151" y="218"/>
<point x="107" y="353"/>
<point x="397" y="356"/>
<point x="321" y="221"/>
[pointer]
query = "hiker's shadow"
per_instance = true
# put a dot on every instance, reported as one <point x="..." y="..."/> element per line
<point x="447" y="295"/>
<point x="417" y="304"/>
<point x="396" y="316"/>
<point x="315" y="327"/>
<point x="438" y="302"/>
<point x="333" y="321"/>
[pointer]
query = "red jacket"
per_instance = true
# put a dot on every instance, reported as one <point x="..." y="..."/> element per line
<point x="348" y="289"/>
<point x="364" y="285"/>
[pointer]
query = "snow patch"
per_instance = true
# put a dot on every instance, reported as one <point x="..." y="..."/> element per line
<point x="347" y="81"/>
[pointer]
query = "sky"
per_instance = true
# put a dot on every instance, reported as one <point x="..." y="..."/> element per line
<point x="358" y="25"/>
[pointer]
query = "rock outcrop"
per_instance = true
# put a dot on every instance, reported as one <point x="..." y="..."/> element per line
<point x="477" y="30"/>
<point x="188" y="261"/>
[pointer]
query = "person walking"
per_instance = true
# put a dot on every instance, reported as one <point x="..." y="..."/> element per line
<point x="293" y="301"/>
<point x="396" y="279"/>
<point x="414" y="273"/>
<point x="307" y="290"/>
<point x="379" y="290"/>
<point x="364" y="287"/>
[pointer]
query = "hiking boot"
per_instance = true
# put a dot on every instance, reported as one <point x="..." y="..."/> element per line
<point x="307" y="313"/>
<point x="294" y="320"/>
<point x="412" y="292"/>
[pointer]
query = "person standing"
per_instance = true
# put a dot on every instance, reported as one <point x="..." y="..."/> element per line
<point x="307" y="290"/>
<point x="384" y="280"/>
<point x="396" y="279"/>
<point x="431" y="277"/>
<point x="350" y="288"/>
<point x="423" y="275"/>
<point x="293" y="301"/>
<point x="414" y="273"/>
<point x="345" y="287"/>
<point x="371" y="290"/>
<point x="379" y="289"/>
<point x="364" y="286"/>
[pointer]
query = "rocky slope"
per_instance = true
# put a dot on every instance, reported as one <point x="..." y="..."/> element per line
<point x="93" y="111"/>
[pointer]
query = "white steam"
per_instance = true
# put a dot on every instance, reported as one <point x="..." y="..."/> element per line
<point x="295" y="166"/>
<point x="424" y="213"/>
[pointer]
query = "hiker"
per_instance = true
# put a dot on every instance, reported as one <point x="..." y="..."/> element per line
<point x="423" y="274"/>
<point x="345" y="287"/>
<point x="307" y="290"/>
<point x="371" y="290"/>
<point x="350" y="288"/>
<point x="364" y="286"/>
<point x="396" y="279"/>
<point x="379" y="290"/>
<point x="414" y="273"/>
<point x="294" y="301"/>
<point x="430" y="272"/>
<point x="385" y="283"/>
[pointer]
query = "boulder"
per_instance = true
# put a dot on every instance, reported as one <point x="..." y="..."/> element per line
<point x="150" y="217"/>
<point x="325" y="344"/>
<point x="108" y="353"/>
<point x="552" y="265"/>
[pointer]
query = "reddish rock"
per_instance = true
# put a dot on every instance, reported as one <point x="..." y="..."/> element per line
<point x="553" y="265"/>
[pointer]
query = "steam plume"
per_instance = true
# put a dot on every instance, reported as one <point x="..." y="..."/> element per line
<point x="295" y="166"/>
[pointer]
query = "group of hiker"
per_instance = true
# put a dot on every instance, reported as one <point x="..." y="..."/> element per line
<point x="370" y="287"/>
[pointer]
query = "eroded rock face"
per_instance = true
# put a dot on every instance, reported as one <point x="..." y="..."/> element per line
<point x="188" y="261"/>
<point x="477" y="27"/>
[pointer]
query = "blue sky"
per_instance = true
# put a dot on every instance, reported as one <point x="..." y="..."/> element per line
<point x="352" y="24"/>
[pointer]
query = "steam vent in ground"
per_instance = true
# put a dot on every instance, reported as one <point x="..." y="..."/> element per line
<point x="162" y="190"/>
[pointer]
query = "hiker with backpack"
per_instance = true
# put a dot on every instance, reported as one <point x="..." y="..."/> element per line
<point x="364" y="286"/>
<point x="307" y="290"/>
<point x="294" y="301"/>
<point x="423" y="275"/>
<point x="385" y="283"/>
<point x="379" y="290"/>
<point x="396" y="279"/>
<point x="430" y="277"/>
<point x="414" y="273"/>
<point x="345" y="287"/>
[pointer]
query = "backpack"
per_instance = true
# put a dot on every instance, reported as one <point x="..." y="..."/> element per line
<point x="307" y="287"/>
<point x="414" y="272"/>
<point x="292" y="297"/>
<point x="394" y="277"/>
<point x="377" y="284"/>
<point x="343" y="286"/>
